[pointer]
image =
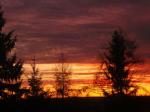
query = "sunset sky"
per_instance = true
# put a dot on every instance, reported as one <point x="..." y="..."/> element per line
<point x="78" y="28"/>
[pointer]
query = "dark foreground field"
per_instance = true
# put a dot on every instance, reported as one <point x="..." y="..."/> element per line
<point x="112" y="104"/>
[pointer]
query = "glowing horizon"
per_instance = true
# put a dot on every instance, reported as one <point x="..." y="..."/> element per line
<point x="83" y="75"/>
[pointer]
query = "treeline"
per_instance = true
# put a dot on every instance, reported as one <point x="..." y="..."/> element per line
<point x="115" y="79"/>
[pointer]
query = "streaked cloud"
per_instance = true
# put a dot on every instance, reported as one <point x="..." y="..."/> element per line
<point x="79" y="28"/>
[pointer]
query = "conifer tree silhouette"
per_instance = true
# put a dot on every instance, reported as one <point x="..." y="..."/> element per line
<point x="119" y="58"/>
<point x="35" y="82"/>
<point x="10" y="67"/>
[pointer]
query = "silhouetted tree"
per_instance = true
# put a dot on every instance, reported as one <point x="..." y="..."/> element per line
<point x="10" y="67"/>
<point x="35" y="82"/>
<point x="62" y="77"/>
<point x="118" y="59"/>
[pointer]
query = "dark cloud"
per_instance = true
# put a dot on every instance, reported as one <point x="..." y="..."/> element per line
<point x="77" y="27"/>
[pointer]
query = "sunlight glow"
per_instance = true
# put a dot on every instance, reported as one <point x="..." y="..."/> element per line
<point x="83" y="75"/>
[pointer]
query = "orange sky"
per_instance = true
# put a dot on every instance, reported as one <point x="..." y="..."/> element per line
<point x="83" y="75"/>
<point x="79" y="29"/>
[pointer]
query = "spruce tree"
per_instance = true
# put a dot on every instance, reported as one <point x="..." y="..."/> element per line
<point x="10" y="67"/>
<point x="35" y="82"/>
<point x="119" y="58"/>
